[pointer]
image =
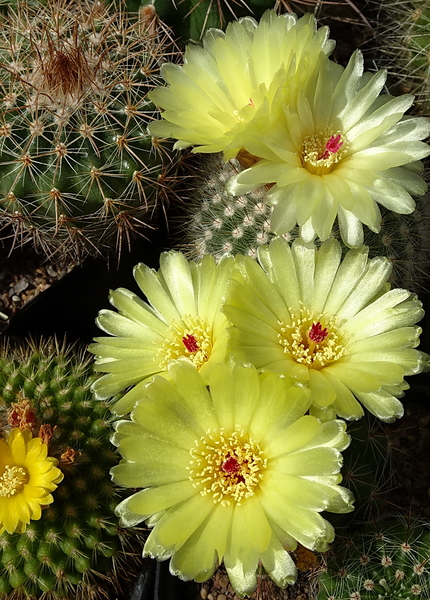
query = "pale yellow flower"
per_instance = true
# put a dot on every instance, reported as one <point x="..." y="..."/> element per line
<point x="234" y="473"/>
<point x="339" y="149"/>
<point x="331" y="323"/>
<point x="27" y="478"/>
<point x="182" y="318"/>
<point x="228" y="86"/>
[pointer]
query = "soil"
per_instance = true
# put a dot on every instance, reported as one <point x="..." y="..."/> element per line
<point x="23" y="276"/>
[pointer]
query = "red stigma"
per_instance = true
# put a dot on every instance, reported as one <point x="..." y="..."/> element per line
<point x="251" y="102"/>
<point x="230" y="465"/>
<point x="316" y="333"/>
<point x="190" y="343"/>
<point x="332" y="146"/>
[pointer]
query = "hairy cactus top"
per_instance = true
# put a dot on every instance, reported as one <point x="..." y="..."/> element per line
<point x="78" y="169"/>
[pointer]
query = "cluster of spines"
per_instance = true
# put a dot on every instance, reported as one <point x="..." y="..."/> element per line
<point x="75" y="549"/>
<point x="80" y="174"/>
<point x="386" y="559"/>
<point x="402" y="32"/>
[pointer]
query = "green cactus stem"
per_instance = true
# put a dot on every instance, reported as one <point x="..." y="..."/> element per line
<point x="366" y="471"/>
<point x="402" y="32"/>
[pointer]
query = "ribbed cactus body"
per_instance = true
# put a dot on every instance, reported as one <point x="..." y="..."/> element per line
<point x="214" y="222"/>
<point x="74" y="549"/>
<point x="386" y="560"/>
<point x="79" y="172"/>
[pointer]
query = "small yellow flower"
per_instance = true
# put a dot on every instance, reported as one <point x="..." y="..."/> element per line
<point x="183" y="319"/>
<point x="234" y="472"/>
<point x="228" y="87"/>
<point x="27" y="478"/>
<point x="333" y="324"/>
<point x="338" y="150"/>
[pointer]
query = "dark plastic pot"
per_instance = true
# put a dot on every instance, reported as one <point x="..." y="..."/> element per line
<point x="155" y="582"/>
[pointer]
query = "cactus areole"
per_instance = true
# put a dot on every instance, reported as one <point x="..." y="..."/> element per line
<point x="78" y="170"/>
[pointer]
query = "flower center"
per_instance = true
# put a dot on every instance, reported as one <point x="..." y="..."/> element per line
<point x="322" y="150"/>
<point x="312" y="340"/>
<point x="227" y="466"/>
<point x="191" y="338"/>
<point x="12" y="480"/>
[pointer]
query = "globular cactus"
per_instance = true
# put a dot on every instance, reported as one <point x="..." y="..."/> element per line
<point x="211" y="221"/>
<point x="79" y="173"/>
<point x="403" y="35"/>
<point x="388" y="560"/>
<point x="75" y="549"/>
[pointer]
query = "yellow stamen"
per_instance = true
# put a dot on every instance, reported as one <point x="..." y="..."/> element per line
<point x="12" y="481"/>
<point x="227" y="466"/>
<point x="313" y="340"/>
<point x="322" y="151"/>
<point x="191" y="338"/>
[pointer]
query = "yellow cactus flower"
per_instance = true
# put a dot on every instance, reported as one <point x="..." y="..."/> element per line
<point x="27" y="478"/>
<point x="338" y="150"/>
<point x="331" y="323"/>
<point x="228" y="86"/>
<point x="234" y="473"/>
<point x="183" y="319"/>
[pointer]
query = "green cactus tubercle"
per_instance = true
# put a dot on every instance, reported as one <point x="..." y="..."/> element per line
<point x="78" y="171"/>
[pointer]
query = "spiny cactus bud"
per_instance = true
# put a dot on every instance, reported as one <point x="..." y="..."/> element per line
<point x="79" y="173"/>
<point x="71" y="549"/>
